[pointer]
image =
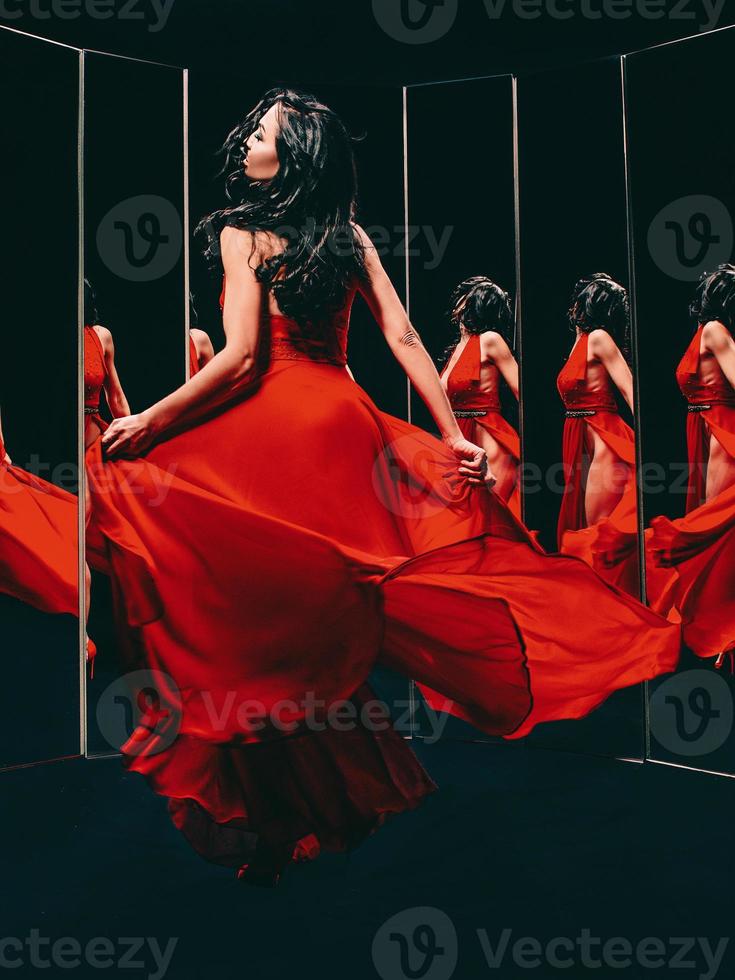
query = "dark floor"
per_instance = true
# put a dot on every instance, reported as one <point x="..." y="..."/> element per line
<point x="541" y="843"/>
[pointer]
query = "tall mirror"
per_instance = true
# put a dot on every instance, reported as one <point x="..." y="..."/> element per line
<point x="578" y="370"/>
<point x="135" y="298"/>
<point x="682" y="178"/>
<point x="463" y="288"/>
<point x="39" y="555"/>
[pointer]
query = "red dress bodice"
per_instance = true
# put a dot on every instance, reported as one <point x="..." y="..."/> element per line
<point x="574" y="387"/>
<point x="287" y="338"/>
<point x="94" y="368"/>
<point x="463" y="382"/>
<point x="695" y="390"/>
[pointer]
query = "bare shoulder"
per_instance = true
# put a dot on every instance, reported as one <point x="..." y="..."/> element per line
<point x="371" y="252"/>
<point x="105" y="337"/>
<point x="201" y="340"/>
<point x="716" y="335"/>
<point x="237" y="243"/>
<point x="601" y="343"/>
<point x="493" y="345"/>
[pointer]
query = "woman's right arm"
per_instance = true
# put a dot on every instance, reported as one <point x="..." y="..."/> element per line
<point x="409" y="351"/>
<point x="219" y="381"/>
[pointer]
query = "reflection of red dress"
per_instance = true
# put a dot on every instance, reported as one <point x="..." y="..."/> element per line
<point x="95" y="372"/>
<point x="297" y="537"/>
<point x="610" y="545"/>
<point x="465" y="396"/>
<point x="698" y="550"/>
<point x="38" y="541"/>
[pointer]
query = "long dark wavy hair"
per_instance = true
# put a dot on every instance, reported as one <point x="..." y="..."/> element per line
<point x="310" y="202"/>
<point x="598" y="301"/>
<point x="715" y="297"/>
<point x="479" y="304"/>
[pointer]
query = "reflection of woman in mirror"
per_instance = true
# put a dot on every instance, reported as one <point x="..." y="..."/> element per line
<point x="201" y="350"/>
<point x="597" y="518"/>
<point x="699" y="548"/>
<point x="477" y="359"/>
<point x="38" y="540"/>
<point x="100" y="373"/>
<point x="287" y="535"/>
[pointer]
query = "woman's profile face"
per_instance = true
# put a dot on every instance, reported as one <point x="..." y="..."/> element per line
<point x="261" y="161"/>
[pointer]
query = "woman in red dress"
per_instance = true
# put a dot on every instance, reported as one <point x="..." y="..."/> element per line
<point x="38" y="540"/>
<point x="598" y="515"/>
<point x="475" y="363"/>
<point x="100" y="374"/>
<point x="698" y="550"/>
<point x="275" y="536"/>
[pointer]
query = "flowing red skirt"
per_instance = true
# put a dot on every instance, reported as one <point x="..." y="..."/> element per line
<point x="38" y="542"/>
<point x="288" y="544"/>
<point x="691" y="560"/>
<point x="610" y="546"/>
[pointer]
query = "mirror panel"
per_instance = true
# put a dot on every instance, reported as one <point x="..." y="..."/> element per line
<point x="682" y="175"/>
<point x="573" y="224"/>
<point x="39" y="559"/>
<point x="461" y="244"/>
<point x="134" y="258"/>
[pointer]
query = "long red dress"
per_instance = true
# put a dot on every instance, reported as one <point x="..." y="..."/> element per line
<point x="95" y="373"/>
<point x="298" y="537"/>
<point x="609" y="545"/>
<point x="474" y="408"/>
<point x="698" y="550"/>
<point x="38" y="541"/>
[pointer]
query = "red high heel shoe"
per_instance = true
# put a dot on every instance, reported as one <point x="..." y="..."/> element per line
<point x="91" y="654"/>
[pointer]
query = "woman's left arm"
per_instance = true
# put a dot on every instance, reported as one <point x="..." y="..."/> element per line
<point x="603" y="346"/>
<point x="219" y="381"/>
<point x="718" y="341"/>
<point x="114" y="393"/>
<point x="493" y="347"/>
